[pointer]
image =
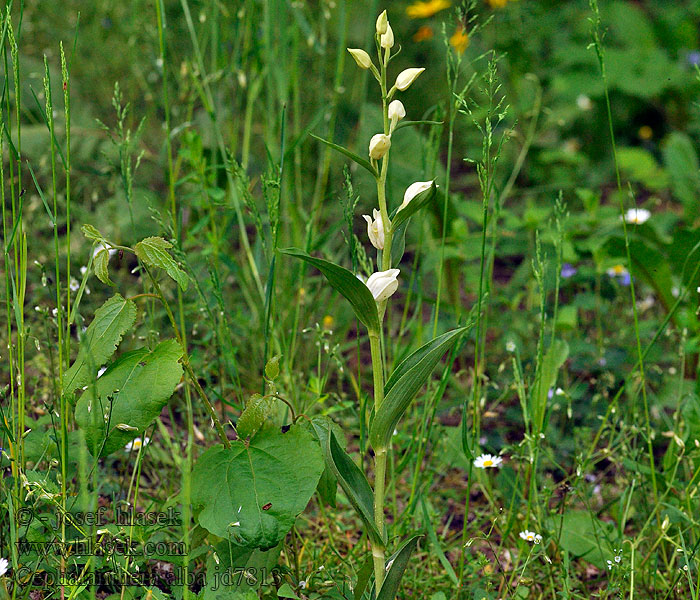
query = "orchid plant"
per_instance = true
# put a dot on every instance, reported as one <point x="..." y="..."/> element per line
<point x="369" y="300"/>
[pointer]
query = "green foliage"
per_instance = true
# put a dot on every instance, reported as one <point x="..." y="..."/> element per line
<point x="112" y="320"/>
<point x="582" y="534"/>
<point x="153" y="252"/>
<point x="257" y="411"/>
<point x="342" y="280"/>
<point x="396" y="566"/>
<point x="252" y="493"/>
<point x="404" y="383"/>
<point x="131" y="392"/>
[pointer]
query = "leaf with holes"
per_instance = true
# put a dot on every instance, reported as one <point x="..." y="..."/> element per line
<point x="112" y="320"/>
<point x="252" y="492"/>
<point x="153" y="251"/>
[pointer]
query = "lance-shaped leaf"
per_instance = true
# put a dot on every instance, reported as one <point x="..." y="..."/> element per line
<point x="396" y="566"/>
<point x="347" y="284"/>
<point x="355" y="486"/>
<point x="153" y="251"/>
<point x="416" y="203"/>
<point x="404" y="384"/>
<point x="131" y="392"/>
<point x="328" y="484"/>
<point x="252" y="492"/>
<point x="100" y="341"/>
<point x="363" y="162"/>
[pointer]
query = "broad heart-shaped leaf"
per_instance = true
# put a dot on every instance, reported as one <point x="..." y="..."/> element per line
<point x="252" y="492"/>
<point x="404" y="383"/>
<point x="418" y="202"/>
<point x="584" y="535"/>
<point x="397" y="564"/>
<point x="153" y="251"/>
<point x="347" y="284"/>
<point x="355" y="486"/>
<point x="139" y="385"/>
<point x="363" y="162"/>
<point x="100" y="341"/>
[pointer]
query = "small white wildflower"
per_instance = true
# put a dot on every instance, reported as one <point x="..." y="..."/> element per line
<point x="487" y="461"/>
<point x="531" y="536"/>
<point x="4" y="565"/>
<point x="584" y="102"/>
<point x="136" y="443"/>
<point x="637" y="216"/>
<point x="375" y="229"/>
<point x="302" y="584"/>
<point x="382" y="23"/>
<point x="510" y="346"/>
<point x="387" y="39"/>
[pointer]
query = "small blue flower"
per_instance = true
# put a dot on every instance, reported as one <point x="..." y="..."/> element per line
<point x="568" y="270"/>
<point x="693" y="58"/>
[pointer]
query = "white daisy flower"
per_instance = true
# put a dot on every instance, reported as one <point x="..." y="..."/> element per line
<point x="136" y="443"/>
<point x="510" y="346"/>
<point x="487" y="461"/>
<point x="637" y="216"/>
<point x="531" y="536"/>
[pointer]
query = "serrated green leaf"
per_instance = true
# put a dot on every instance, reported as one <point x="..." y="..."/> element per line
<point x="100" y="341"/>
<point x="139" y="385"/>
<point x="101" y="265"/>
<point x="355" y="486"/>
<point x="91" y="232"/>
<point x="363" y="162"/>
<point x="272" y="368"/>
<point x="404" y="383"/>
<point x="342" y="280"/>
<point x="153" y="251"/>
<point x="397" y="564"/>
<point x="419" y="201"/>
<point x="256" y="412"/>
<point x="252" y="492"/>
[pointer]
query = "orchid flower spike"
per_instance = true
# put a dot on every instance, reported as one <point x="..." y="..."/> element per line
<point x="375" y="229"/>
<point x="383" y="284"/>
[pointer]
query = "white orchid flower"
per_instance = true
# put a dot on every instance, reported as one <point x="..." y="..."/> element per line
<point x="383" y="284"/>
<point x="375" y="229"/>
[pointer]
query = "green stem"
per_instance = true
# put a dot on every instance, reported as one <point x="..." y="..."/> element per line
<point x="379" y="459"/>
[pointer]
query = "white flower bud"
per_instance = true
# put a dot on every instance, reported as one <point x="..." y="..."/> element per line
<point x="387" y="39"/>
<point x="361" y="58"/>
<point x="407" y="77"/>
<point x="375" y="229"/>
<point x="413" y="190"/>
<point x="383" y="284"/>
<point x="382" y="23"/>
<point x="396" y="113"/>
<point x="125" y="427"/>
<point x="379" y="145"/>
